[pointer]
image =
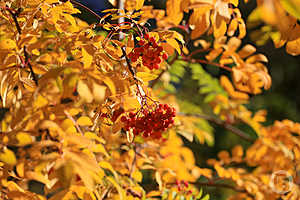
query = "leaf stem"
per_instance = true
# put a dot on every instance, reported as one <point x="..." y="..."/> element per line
<point x="86" y="8"/>
<point x="208" y="63"/>
<point x="14" y="16"/>
<point x="222" y="123"/>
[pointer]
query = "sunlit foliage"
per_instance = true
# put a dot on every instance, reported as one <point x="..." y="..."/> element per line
<point x="89" y="114"/>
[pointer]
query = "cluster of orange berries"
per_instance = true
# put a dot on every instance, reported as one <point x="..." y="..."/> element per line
<point x="150" y="52"/>
<point x="150" y="123"/>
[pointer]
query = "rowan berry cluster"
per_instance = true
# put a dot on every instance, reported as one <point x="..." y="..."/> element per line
<point x="183" y="186"/>
<point x="150" y="123"/>
<point x="150" y="52"/>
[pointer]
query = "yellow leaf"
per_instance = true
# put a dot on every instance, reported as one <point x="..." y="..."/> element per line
<point x="79" y="190"/>
<point x="139" y="4"/>
<point x="84" y="92"/>
<point x="219" y="25"/>
<point x="226" y="84"/>
<point x="234" y="2"/>
<point x="199" y="21"/>
<point x="118" y="187"/>
<point x="99" y="92"/>
<point x="178" y="36"/>
<point x="20" y="169"/>
<point x="174" y="11"/>
<point x="40" y="102"/>
<point x="158" y="179"/>
<point x="146" y="76"/>
<point x="51" y="1"/>
<point x="38" y="177"/>
<point x="74" y="111"/>
<point x="23" y="139"/>
<point x="87" y="59"/>
<point x="237" y="151"/>
<point x="7" y="44"/>
<point x="91" y="135"/>
<point x="99" y="148"/>
<point x="153" y="193"/>
<point x="35" y="52"/>
<point x="67" y="123"/>
<point x="8" y="157"/>
<point x="174" y="44"/>
<point x="293" y="47"/>
<point x="107" y="165"/>
<point x="110" y="85"/>
<point x="137" y="175"/>
<point x="84" y="121"/>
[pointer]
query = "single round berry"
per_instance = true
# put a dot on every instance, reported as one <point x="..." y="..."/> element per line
<point x="165" y="56"/>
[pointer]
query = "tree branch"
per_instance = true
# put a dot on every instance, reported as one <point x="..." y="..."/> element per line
<point x="29" y="65"/>
<point x="86" y="8"/>
<point x="208" y="63"/>
<point x="14" y="16"/>
<point x="223" y="185"/>
<point x="222" y="123"/>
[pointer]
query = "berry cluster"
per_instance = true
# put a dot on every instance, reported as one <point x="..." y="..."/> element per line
<point x="183" y="186"/>
<point x="150" y="123"/>
<point x="150" y="52"/>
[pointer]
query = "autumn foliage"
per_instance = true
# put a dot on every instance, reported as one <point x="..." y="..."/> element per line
<point x="91" y="111"/>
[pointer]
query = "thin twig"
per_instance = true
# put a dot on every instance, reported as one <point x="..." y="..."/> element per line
<point x="30" y="66"/>
<point x="208" y="63"/>
<point x="133" y="162"/>
<point x="223" y="185"/>
<point x="74" y="122"/>
<point x="222" y="123"/>
<point x="198" y="51"/>
<point x="11" y="67"/>
<point x="128" y="64"/>
<point x="86" y="8"/>
<point x="14" y="16"/>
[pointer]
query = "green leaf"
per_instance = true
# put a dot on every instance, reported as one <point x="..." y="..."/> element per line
<point x="209" y="85"/>
<point x="199" y="195"/>
<point x="177" y="69"/>
<point x="206" y="197"/>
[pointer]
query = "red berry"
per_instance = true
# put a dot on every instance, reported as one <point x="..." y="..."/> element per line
<point x="152" y="40"/>
<point x="165" y="56"/>
<point x="141" y="42"/>
<point x="160" y="49"/>
<point x="123" y="119"/>
<point x="146" y="36"/>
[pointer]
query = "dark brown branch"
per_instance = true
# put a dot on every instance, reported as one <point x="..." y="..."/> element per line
<point x="222" y="123"/>
<point x="29" y="65"/>
<point x="208" y="63"/>
<point x="128" y="64"/>
<point x="14" y="16"/>
<point x="222" y="185"/>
